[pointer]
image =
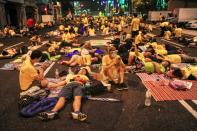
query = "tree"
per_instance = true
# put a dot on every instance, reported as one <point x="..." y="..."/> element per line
<point x="144" y="6"/>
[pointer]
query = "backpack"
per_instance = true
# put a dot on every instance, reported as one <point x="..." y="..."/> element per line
<point x="37" y="107"/>
<point x="35" y="91"/>
<point x="26" y="100"/>
<point x="94" y="87"/>
<point x="32" y="95"/>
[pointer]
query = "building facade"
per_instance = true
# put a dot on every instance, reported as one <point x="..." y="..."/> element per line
<point x="16" y="12"/>
<point x="173" y="4"/>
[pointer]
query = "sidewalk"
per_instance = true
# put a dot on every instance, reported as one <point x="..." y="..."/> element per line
<point x="190" y="32"/>
<point x="185" y="31"/>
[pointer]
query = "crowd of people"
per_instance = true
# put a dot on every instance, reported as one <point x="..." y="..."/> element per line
<point x="131" y="49"/>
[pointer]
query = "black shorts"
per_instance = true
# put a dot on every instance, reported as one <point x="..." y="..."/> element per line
<point x="71" y="90"/>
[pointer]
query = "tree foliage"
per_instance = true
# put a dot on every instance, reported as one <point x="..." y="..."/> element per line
<point x="144" y="6"/>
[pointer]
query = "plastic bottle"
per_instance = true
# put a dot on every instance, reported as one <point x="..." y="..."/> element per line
<point x="148" y="98"/>
<point x="70" y="71"/>
<point x="56" y="73"/>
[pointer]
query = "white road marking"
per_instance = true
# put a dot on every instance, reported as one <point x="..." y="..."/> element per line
<point x="195" y="101"/>
<point x="14" y="45"/>
<point x="188" y="108"/>
<point x="48" y="69"/>
<point x="173" y="43"/>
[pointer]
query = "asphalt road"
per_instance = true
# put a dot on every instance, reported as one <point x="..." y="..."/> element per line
<point x="128" y="115"/>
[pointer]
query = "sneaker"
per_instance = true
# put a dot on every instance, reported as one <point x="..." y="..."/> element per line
<point x="122" y="86"/>
<point x="47" y="115"/>
<point x="79" y="116"/>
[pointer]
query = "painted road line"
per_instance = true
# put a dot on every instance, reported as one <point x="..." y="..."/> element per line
<point x="173" y="43"/>
<point x="48" y="69"/>
<point x="14" y="45"/>
<point x="39" y="46"/>
<point x="195" y="101"/>
<point x="188" y="108"/>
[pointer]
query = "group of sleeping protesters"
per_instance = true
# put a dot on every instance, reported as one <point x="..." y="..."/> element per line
<point x="130" y="50"/>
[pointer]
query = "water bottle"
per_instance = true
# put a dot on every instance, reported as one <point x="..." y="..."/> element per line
<point x="56" y="73"/>
<point x="70" y="71"/>
<point x="148" y="98"/>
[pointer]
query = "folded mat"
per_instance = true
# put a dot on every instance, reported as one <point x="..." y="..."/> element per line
<point x="161" y="91"/>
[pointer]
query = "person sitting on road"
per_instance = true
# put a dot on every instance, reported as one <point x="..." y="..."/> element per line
<point x="73" y="88"/>
<point x="178" y="32"/>
<point x="163" y="26"/>
<point x="66" y="37"/>
<point x="6" y="31"/>
<point x="61" y="28"/>
<point x="167" y="35"/>
<point x="35" y="40"/>
<point x="139" y="38"/>
<point x="12" y="32"/>
<point x="112" y="69"/>
<point x="28" y="75"/>
<point x="105" y="30"/>
<point x="91" y="31"/>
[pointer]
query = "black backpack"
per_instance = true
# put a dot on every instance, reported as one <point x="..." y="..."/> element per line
<point x="94" y="87"/>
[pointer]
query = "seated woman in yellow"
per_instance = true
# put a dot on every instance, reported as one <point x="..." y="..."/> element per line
<point x="106" y="30"/>
<point x="35" y="40"/>
<point x="178" y="32"/>
<point x="139" y="38"/>
<point x="91" y="31"/>
<point x="66" y="37"/>
<point x="113" y="69"/>
<point x="167" y="35"/>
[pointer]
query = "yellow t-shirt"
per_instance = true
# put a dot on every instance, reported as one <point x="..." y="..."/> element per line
<point x="66" y="37"/>
<point x="138" y="39"/>
<point x="69" y="77"/>
<point x="76" y="29"/>
<point x="91" y="32"/>
<point x="135" y="24"/>
<point x="190" y="70"/>
<point x="106" y="60"/>
<point x="140" y="56"/>
<point x="164" y="24"/>
<point x="27" y="74"/>
<point x="178" y="32"/>
<point x="161" y="51"/>
<point x="167" y="35"/>
<point x="174" y="58"/>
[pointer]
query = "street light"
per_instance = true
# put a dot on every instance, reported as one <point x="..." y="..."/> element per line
<point x="46" y="10"/>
